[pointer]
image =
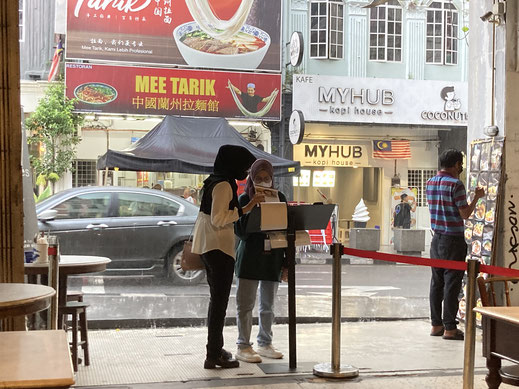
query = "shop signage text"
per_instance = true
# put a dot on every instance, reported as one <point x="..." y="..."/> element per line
<point x="162" y="91"/>
<point x="377" y="100"/>
<point x="165" y="32"/>
<point x="330" y="155"/>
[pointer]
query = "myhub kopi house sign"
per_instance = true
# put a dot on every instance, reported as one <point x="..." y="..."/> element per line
<point x="380" y="100"/>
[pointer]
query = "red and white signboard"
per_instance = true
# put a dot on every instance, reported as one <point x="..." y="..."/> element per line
<point x="164" y="32"/>
<point x="161" y="91"/>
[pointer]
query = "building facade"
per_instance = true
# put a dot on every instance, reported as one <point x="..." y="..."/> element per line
<point x="372" y="76"/>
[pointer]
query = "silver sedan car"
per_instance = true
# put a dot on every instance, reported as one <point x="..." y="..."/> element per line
<point x="141" y="230"/>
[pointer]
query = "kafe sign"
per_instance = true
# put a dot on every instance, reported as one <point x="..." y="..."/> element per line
<point x="379" y="100"/>
<point x="334" y="155"/>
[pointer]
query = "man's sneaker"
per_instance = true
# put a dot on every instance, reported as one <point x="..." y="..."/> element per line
<point x="269" y="352"/>
<point x="247" y="354"/>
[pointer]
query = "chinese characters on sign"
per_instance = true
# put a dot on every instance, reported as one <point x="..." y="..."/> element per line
<point x="165" y="32"/>
<point x="160" y="91"/>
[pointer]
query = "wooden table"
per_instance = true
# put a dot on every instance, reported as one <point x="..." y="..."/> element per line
<point x="35" y="359"/>
<point x="23" y="299"/>
<point x="500" y="339"/>
<point x="69" y="264"/>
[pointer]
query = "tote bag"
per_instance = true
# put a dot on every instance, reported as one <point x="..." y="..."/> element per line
<point x="190" y="261"/>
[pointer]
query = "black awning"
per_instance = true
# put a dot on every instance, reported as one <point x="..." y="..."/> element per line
<point x="186" y="145"/>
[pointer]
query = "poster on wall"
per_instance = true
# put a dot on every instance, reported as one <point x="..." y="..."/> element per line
<point x="161" y="91"/>
<point x="399" y="216"/>
<point x="485" y="172"/>
<point x="242" y="35"/>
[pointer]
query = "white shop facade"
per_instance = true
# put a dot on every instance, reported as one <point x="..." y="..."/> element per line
<point x="347" y="118"/>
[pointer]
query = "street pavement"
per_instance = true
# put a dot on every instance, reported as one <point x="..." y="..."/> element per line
<point x="372" y="290"/>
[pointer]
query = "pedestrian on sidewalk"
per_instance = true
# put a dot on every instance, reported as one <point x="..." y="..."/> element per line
<point x="257" y="264"/>
<point x="213" y="238"/>
<point x="448" y="207"/>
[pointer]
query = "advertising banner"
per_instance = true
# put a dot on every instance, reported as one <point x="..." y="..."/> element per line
<point x="165" y="32"/>
<point x="159" y="91"/>
<point x="379" y="100"/>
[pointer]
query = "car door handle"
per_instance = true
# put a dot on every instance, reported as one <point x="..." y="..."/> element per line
<point x="96" y="226"/>
<point x="168" y="223"/>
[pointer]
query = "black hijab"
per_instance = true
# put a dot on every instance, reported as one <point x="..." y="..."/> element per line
<point x="231" y="164"/>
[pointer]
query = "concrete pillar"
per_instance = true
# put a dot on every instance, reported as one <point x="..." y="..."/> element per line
<point x="500" y="111"/>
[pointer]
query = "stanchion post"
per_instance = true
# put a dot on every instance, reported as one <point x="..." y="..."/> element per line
<point x="53" y="281"/>
<point x="470" y="324"/>
<point x="291" y="257"/>
<point x="335" y="369"/>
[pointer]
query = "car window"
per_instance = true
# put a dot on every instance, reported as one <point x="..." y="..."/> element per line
<point x="138" y="204"/>
<point x="88" y="205"/>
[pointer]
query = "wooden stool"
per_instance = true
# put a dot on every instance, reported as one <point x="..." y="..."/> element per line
<point x="75" y="296"/>
<point x="79" y="322"/>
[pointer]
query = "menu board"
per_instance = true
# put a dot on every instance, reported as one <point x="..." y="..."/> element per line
<point x="485" y="172"/>
<point x="485" y="166"/>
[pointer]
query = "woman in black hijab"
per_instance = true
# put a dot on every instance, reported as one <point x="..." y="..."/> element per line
<point x="213" y="238"/>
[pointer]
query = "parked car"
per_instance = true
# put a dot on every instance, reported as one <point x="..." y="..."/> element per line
<point x="141" y="230"/>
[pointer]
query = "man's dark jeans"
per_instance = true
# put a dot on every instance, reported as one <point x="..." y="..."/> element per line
<point x="220" y="269"/>
<point x="445" y="283"/>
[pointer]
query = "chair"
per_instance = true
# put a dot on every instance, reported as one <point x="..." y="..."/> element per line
<point x="76" y="309"/>
<point x="487" y="291"/>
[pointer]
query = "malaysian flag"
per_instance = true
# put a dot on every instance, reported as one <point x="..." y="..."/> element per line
<point x="392" y="149"/>
<point x="55" y="61"/>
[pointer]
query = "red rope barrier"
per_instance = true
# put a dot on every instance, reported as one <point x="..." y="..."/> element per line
<point x="443" y="263"/>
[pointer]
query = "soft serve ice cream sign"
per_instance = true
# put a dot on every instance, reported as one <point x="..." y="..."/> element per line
<point x="230" y="34"/>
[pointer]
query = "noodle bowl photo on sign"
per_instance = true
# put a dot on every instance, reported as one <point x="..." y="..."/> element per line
<point x="95" y="93"/>
<point x="247" y="47"/>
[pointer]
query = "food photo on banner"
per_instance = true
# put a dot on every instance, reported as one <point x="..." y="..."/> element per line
<point x="185" y="92"/>
<point x="230" y="34"/>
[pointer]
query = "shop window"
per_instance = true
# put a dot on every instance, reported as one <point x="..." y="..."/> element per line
<point x="21" y="21"/>
<point x="385" y="32"/>
<point x="418" y="179"/>
<point x="85" y="173"/>
<point x="327" y="29"/>
<point x="442" y="33"/>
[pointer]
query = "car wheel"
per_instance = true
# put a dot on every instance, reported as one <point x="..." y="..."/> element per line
<point x="175" y="272"/>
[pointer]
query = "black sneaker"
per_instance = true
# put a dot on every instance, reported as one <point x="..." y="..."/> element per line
<point x="225" y="363"/>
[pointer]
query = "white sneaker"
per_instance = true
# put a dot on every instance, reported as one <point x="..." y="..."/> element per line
<point x="269" y="352"/>
<point x="247" y="354"/>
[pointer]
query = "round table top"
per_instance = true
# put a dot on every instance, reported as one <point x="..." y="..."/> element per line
<point x="71" y="264"/>
<point x="23" y="299"/>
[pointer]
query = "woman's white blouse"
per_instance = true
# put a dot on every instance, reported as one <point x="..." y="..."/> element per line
<point x="216" y="231"/>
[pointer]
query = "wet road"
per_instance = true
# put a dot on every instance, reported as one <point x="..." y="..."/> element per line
<point x="368" y="291"/>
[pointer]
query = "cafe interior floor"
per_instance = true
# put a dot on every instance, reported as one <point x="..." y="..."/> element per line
<point x="388" y="354"/>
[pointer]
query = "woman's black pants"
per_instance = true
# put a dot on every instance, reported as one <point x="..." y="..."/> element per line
<point x="220" y="269"/>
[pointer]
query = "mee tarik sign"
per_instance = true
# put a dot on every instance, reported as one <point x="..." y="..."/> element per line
<point x="379" y="100"/>
<point x="165" y="32"/>
<point x="335" y="155"/>
<point x="161" y="91"/>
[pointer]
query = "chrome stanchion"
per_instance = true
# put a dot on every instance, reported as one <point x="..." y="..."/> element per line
<point x="53" y="281"/>
<point x="335" y="369"/>
<point x="470" y="324"/>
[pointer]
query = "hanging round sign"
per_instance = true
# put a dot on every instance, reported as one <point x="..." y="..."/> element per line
<point x="296" y="48"/>
<point x="296" y="127"/>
